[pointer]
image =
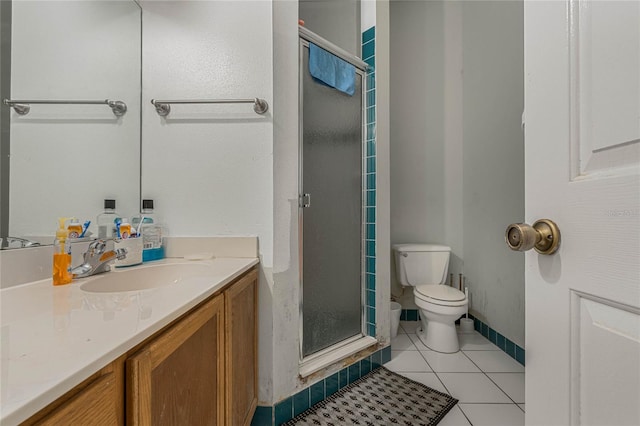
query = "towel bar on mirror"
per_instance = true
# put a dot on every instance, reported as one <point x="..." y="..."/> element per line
<point x="163" y="107"/>
<point x="23" y="107"/>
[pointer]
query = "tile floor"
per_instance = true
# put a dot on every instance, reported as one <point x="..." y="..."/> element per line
<point x="488" y="383"/>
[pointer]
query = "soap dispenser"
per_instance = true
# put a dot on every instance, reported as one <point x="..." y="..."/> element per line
<point x="61" y="255"/>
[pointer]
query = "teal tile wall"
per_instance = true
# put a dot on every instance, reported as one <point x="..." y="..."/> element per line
<point x="370" y="196"/>
<point x="290" y="407"/>
<point x="506" y="345"/>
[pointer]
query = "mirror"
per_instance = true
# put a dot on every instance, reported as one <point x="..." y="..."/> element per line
<point x="60" y="159"/>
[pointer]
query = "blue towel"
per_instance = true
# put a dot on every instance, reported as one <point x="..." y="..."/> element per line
<point x="331" y="70"/>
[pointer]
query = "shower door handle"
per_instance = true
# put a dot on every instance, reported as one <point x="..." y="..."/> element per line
<point x="305" y="200"/>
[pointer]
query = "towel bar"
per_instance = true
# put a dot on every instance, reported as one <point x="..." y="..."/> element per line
<point x="23" y="107"/>
<point x="163" y="108"/>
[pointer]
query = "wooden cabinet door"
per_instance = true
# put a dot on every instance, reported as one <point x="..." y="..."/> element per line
<point x="98" y="401"/>
<point x="178" y="378"/>
<point x="241" y="311"/>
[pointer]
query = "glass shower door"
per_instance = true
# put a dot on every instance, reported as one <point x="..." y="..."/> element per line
<point x="331" y="175"/>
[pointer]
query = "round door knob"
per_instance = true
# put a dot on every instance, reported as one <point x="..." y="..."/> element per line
<point x="543" y="236"/>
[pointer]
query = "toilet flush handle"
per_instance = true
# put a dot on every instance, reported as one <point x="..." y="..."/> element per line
<point x="405" y="254"/>
<point x="543" y="236"/>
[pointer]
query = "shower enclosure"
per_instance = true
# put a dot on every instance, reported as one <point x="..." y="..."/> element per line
<point x="331" y="208"/>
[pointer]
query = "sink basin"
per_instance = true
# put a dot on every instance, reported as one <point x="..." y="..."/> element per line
<point x="146" y="277"/>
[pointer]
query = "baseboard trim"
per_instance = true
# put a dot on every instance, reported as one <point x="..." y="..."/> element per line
<point x="510" y="348"/>
<point x="295" y="404"/>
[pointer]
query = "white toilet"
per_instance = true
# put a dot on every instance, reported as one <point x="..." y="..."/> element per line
<point x="424" y="267"/>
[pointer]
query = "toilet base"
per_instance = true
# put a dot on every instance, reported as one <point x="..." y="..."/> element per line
<point x="439" y="337"/>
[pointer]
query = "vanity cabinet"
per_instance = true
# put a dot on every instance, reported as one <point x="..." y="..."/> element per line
<point x="96" y="401"/>
<point x="178" y="378"/>
<point x="201" y="369"/>
<point x="241" y="358"/>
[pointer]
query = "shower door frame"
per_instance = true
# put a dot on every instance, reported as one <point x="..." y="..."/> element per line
<point x="306" y="36"/>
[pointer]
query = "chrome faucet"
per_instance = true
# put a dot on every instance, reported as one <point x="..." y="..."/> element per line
<point x="97" y="260"/>
<point x="16" y="242"/>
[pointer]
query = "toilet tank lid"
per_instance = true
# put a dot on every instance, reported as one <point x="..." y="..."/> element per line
<point x="404" y="248"/>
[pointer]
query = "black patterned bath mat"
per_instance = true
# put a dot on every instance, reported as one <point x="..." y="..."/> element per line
<point x="380" y="398"/>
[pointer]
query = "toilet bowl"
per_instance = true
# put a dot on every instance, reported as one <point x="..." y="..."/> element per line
<point x="439" y="311"/>
<point x="424" y="267"/>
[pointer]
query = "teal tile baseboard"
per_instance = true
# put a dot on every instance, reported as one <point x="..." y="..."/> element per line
<point x="409" y="315"/>
<point x="506" y="345"/>
<point x="262" y="416"/>
<point x="290" y="407"/>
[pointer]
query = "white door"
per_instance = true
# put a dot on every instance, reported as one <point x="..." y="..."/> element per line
<point x="582" y="137"/>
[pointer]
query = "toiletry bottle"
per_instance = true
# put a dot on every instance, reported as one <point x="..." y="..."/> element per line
<point x="125" y="229"/>
<point x="151" y="231"/>
<point x="74" y="228"/>
<point x="61" y="255"/>
<point x="106" y="220"/>
<point x="146" y="216"/>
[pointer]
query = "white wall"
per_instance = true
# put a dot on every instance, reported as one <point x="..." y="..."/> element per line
<point x="209" y="167"/>
<point x="335" y="20"/>
<point x="426" y="128"/>
<point x="456" y="144"/>
<point x="285" y="289"/>
<point x="66" y="159"/>
<point x="222" y="170"/>
<point x="494" y="161"/>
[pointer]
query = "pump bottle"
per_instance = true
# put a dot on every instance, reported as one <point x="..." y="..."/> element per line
<point x="61" y="255"/>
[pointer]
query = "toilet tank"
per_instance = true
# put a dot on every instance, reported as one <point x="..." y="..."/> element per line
<point x="421" y="264"/>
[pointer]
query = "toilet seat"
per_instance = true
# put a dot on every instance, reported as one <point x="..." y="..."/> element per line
<point x="440" y="295"/>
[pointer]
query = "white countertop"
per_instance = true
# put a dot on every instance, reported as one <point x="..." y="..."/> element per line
<point x="53" y="338"/>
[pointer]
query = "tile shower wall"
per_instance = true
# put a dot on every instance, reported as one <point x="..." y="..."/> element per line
<point x="369" y="54"/>
<point x="513" y="350"/>
<point x="290" y="407"/>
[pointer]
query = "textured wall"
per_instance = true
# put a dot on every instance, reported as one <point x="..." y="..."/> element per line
<point x="494" y="161"/>
<point x="426" y="128"/>
<point x="209" y="167"/>
<point x="335" y="20"/>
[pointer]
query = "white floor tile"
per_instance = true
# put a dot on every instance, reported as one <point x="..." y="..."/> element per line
<point x="475" y="342"/>
<point x="402" y="361"/>
<point x="409" y="327"/>
<point x="473" y="387"/>
<point x="495" y="362"/>
<point x="449" y="363"/>
<point x="416" y="341"/>
<point x="511" y="383"/>
<point x="493" y="414"/>
<point x="428" y="379"/>
<point x="454" y="418"/>
<point x="522" y="407"/>
<point x="402" y="342"/>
